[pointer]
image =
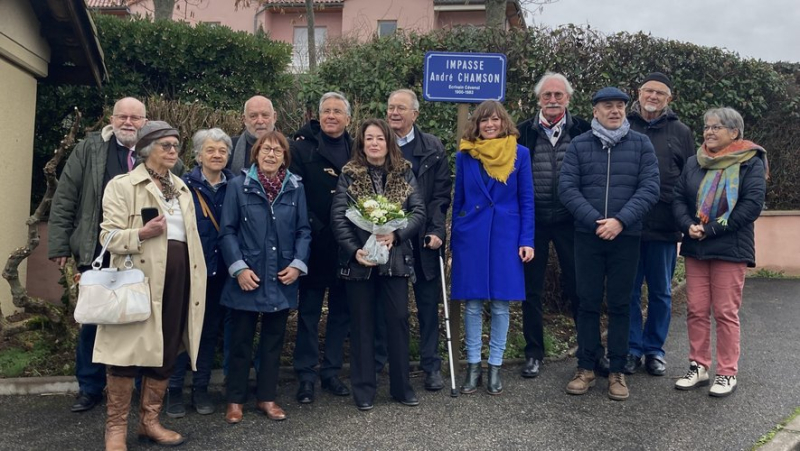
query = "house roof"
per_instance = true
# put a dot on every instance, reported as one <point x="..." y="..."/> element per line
<point x="92" y="4"/>
<point x="76" y="56"/>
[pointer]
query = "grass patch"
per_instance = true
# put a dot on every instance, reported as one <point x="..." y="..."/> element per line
<point x="766" y="438"/>
<point x="14" y="361"/>
<point x="764" y="273"/>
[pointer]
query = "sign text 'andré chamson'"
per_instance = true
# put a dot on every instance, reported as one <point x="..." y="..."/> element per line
<point x="464" y="77"/>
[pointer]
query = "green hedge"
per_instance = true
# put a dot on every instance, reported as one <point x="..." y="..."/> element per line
<point x="702" y="77"/>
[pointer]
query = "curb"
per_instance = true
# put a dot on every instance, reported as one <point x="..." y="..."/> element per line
<point x="787" y="439"/>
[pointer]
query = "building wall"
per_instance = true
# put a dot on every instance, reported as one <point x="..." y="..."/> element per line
<point x="360" y="17"/>
<point x="24" y="55"/>
<point x="195" y="11"/>
<point x="448" y="19"/>
<point x="281" y="25"/>
<point x="778" y="241"/>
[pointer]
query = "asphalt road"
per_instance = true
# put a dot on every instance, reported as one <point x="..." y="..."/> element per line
<point x="530" y="414"/>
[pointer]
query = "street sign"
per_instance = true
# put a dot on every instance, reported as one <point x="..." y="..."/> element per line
<point x="464" y="77"/>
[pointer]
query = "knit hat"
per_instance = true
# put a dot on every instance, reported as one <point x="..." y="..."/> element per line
<point x="153" y="130"/>
<point x="609" y="93"/>
<point x="659" y="77"/>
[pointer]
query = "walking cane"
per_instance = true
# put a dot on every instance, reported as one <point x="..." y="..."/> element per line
<point x="453" y="390"/>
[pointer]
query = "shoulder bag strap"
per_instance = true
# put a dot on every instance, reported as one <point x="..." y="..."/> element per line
<point x="206" y="210"/>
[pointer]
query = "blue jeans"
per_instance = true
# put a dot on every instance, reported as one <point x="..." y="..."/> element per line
<point x="91" y="376"/>
<point x="473" y="325"/>
<point x="656" y="266"/>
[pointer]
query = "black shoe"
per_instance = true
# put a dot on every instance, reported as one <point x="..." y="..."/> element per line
<point x="175" y="407"/>
<point x="655" y="365"/>
<point x="364" y="406"/>
<point x="531" y="368"/>
<point x="410" y="401"/>
<point x="335" y="386"/>
<point x="632" y="365"/>
<point x="305" y="393"/>
<point x="84" y="402"/>
<point x="202" y="401"/>
<point x="473" y="378"/>
<point x="434" y="381"/>
<point x="602" y="367"/>
<point x="494" y="386"/>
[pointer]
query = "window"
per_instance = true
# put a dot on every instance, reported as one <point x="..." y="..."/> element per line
<point x="386" y="27"/>
<point x="300" y="52"/>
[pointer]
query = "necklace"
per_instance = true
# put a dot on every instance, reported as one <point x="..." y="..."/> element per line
<point x="169" y="205"/>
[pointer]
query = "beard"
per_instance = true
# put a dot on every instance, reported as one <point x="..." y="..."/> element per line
<point x="650" y="108"/>
<point x="128" y="138"/>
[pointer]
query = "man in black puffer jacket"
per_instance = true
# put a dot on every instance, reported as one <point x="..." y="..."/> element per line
<point x="548" y="135"/>
<point x="674" y="144"/>
<point x="609" y="181"/>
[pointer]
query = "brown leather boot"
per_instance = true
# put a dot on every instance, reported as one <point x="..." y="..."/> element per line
<point x="152" y="400"/>
<point x="581" y="381"/>
<point x="118" y="403"/>
<point x="272" y="410"/>
<point x="617" y="387"/>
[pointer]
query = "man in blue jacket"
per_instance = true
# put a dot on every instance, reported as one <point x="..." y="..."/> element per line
<point x="609" y="181"/>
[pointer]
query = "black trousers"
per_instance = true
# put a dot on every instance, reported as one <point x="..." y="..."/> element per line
<point x="562" y="236"/>
<point x="174" y="312"/>
<point x="306" y="350"/>
<point x="604" y="267"/>
<point x="270" y="345"/>
<point x="362" y="298"/>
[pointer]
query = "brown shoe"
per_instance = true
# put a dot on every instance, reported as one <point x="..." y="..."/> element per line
<point x="149" y="427"/>
<point x="272" y="410"/>
<point x="233" y="414"/>
<point x="581" y="381"/>
<point x="617" y="388"/>
<point x="118" y="403"/>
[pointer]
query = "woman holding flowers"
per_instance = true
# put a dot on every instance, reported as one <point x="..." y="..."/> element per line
<point x="492" y="234"/>
<point x="378" y="186"/>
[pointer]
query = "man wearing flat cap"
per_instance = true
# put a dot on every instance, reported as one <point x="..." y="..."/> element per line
<point x="608" y="182"/>
<point x="674" y="144"/>
<point x="75" y="217"/>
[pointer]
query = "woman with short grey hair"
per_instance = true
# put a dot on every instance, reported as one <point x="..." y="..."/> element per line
<point x="208" y="183"/>
<point x="717" y="199"/>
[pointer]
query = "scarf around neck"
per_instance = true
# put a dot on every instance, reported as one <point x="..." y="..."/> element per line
<point x="719" y="190"/>
<point x="167" y="187"/>
<point x="272" y="185"/>
<point x="610" y="138"/>
<point x="496" y="155"/>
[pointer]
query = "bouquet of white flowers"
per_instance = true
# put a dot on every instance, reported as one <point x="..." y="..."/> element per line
<point x="377" y="215"/>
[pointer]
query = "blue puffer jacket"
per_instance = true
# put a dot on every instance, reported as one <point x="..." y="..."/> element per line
<point x="597" y="182"/>
<point x="266" y="239"/>
<point x="214" y="199"/>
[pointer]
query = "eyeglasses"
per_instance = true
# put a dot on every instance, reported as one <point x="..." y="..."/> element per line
<point x="266" y="150"/>
<point x="125" y="118"/>
<point x="556" y="95"/>
<point x="649" y="92"/>
<point x="335" y="112"/>
<point x="714" y="128"/>
<point x="169" y="147"/>
<point x="399" y="108"/>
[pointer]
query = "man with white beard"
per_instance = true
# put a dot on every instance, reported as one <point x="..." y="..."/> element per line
<point x="674" y="144"/>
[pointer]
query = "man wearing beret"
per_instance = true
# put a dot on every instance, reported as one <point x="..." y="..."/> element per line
<point x="75" y="217"/>
<point x="608" y="182"/>
<point x="674" y="144"/>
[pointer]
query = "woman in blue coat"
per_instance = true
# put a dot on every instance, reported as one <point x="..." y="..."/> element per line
<point x="492" y="233"/>
<point x="265" y="240"/>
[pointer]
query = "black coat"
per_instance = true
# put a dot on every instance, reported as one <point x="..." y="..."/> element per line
<point x="734" y="242"/>
<point x="674" y="144"/>
<point x="546" y="164"/>
<point x="315" y="165"/>
<point x="352" y="238"/>
<point x="434" y="180"/>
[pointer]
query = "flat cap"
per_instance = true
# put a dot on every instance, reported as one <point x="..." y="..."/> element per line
<point x="609" y="93"/>
<point x="153" y="130"/>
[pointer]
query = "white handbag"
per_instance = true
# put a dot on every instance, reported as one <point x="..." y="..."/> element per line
<point x="111" y="295"/>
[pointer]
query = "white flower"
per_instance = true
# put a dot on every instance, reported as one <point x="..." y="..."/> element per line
<point x="377" y="213"/>
<point x="371" y="204"/>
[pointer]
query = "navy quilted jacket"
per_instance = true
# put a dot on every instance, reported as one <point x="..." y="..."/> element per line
<point x="621" y="182"/>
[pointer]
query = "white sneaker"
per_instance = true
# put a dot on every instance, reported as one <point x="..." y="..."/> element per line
<point x="696" y="377"/>
<point x="723" y="386"/>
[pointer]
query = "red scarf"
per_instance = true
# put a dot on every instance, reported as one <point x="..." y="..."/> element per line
<point x="272" y="185"/>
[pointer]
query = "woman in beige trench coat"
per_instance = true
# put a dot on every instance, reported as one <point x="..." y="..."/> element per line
<point x="168" y="250"/>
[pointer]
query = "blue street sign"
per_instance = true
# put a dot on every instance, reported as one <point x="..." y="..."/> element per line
<point x="464" y="77"/>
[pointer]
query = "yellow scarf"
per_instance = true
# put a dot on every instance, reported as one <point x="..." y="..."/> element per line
<point x="496" y="155"/>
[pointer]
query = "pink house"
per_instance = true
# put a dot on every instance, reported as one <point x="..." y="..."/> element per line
<point x="285" y="20"/>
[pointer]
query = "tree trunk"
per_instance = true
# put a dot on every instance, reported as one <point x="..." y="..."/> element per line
<point x="312" y="41"/>
<point x="496" y="14"/>
<point x="162" y="9"/>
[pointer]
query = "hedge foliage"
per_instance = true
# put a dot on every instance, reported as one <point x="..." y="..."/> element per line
<point x="702" y="78"/>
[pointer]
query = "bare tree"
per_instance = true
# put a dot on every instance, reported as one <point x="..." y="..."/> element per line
<point x="312" y="38"/>
<point x="496" y="10"/>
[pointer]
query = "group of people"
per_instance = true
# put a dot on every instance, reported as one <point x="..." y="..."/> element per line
<point x="259" y="227"/>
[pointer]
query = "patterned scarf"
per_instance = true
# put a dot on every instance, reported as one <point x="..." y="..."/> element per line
<point x="610" y="138"/>
<point x="496" y="155"/>
<point x="719" y="190"/>
<point x="272" y="185"/>
<point x="167" y="187"/>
